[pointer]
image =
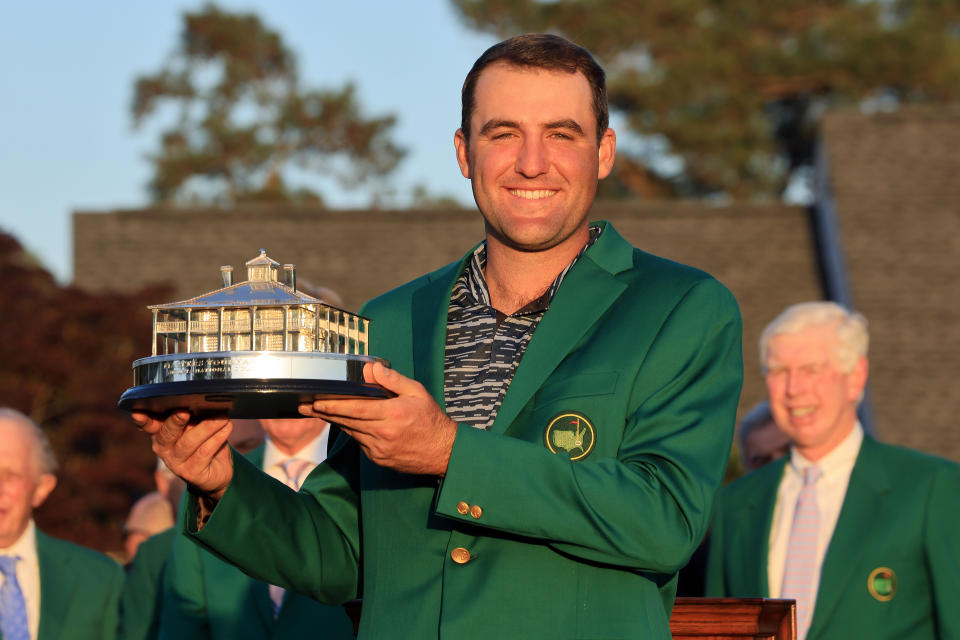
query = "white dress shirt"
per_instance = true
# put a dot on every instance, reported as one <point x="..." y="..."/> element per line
<point x="831" y="489"/>
<point x="28" y="574"/>
<point x="315" y="451"/>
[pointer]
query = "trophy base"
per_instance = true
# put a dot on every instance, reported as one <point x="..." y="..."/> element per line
<point x="270" y="384"/>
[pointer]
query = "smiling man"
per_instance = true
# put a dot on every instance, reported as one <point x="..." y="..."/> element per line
<point x="862" y="535"/>
<point x="50" y="589"/>
<point x="564" y="405"/>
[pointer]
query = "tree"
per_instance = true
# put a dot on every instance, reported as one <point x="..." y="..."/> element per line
<point x="244" y="124"/>
<point x="736" y="88"/>
<point x="65" y="358"/>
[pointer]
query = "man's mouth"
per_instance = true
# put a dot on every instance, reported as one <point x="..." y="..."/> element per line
<point x="799" y="412"/>
<point x="532" y="194"/>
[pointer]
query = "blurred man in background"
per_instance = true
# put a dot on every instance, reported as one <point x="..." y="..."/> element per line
<point x="142" y="597"/>
<point x="49" y="588"/>
<point x="862" y="535"/>
<point x="207" y="598"/>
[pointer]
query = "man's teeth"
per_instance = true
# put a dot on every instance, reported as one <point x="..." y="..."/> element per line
<point x="535" y="194"/>
<point x="800" y="412"/>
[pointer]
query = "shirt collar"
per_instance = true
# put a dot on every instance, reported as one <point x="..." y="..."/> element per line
<point x="476" y="281"/>
<point x="315" y="451"/>
<point x="842" y="456"/>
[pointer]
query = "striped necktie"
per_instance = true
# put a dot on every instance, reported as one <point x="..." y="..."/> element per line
<point x="294" y="469"/>
<point x="13" y="608"/>
<point x="801" y="563"/>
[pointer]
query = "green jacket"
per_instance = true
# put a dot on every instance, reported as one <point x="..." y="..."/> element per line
<point x="641" y="355"/>
<point x="79" y="591"/>
<point x="207" y="598"/>
<point x="901" y="516"/>
<point x="142" y="593"/>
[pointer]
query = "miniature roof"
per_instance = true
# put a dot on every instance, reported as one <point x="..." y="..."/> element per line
<point x="262" y="259"/>
<point x="244" y="294"/>
<point x="251" y="293"/>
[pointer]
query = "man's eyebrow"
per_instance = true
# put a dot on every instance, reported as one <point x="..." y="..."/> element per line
<point x="490" y="125"/>
<point x="572" y="125"/>
<point x="567" y="123"/>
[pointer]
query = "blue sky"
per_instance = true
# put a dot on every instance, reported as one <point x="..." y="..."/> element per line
<point x="66" y="80"/>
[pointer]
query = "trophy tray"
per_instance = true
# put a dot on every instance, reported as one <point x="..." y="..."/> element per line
<point x="246" y="384"/>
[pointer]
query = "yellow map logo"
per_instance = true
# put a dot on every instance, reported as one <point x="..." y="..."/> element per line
<point x="570" y="433"/>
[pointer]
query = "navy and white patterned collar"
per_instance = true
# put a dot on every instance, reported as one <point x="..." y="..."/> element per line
<point x="476" y="284"/>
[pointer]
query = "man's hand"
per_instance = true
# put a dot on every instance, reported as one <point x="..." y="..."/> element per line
<point x="408" y="433"/>
<point x="196" y="451"/>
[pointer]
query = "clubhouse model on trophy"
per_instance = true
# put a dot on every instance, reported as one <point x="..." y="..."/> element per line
<point x="254" y="349"/>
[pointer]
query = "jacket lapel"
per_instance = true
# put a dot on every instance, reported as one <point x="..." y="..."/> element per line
<point x="56" y="588"/>
<point x="868" y="484"/>
<point x="754" y="540"/>
<point x="588" y="290"/>
<point x="429" y="318"/>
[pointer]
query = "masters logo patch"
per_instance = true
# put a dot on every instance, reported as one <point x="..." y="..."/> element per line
<point x="882" y="584"/>
<point x="570" y="433"/>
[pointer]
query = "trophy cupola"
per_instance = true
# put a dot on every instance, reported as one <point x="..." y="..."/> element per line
<point x="263" y="268"/>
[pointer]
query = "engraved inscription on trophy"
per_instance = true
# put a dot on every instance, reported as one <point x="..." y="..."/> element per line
<point x="254" y="347"/>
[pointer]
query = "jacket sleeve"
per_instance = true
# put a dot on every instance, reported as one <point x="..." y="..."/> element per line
<point x="316" y="550"/>
<point x="183" y="615"/>
<point x="716" y="581"/>
<point x="648" y="507"/>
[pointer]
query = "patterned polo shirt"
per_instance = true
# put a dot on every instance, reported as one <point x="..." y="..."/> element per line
<point x="484" y="346"/>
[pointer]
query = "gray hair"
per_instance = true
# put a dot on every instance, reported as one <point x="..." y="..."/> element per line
<point x="850" y="329"/>
<point x="43" y="455"/>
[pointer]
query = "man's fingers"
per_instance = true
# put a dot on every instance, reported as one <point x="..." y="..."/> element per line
<point x="172" y="428"/>
<point x="391" y="380"/>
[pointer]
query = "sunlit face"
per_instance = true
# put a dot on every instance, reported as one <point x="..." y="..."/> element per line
<point x="23" y="487"/>
<point x="533" y="157"/>
<point x="811" y="399"/>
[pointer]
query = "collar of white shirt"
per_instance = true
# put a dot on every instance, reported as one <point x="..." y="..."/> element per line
<point x="315" y="451"/>
<point x="840" y="459"/>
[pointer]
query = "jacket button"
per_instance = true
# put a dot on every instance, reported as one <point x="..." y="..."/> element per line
<point x="460" y="555"/>
<point x="463" y="508"/>
<point x="476" y="511"/>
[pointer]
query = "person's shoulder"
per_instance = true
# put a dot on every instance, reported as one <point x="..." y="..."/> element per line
<point x="909" y="462"/>
<point x="655" y="274"/>
<point x="97" y="566"/>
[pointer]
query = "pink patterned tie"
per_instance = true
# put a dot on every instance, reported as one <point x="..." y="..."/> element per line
<point x="801" y="563"/>
<point x="295" y="470"/>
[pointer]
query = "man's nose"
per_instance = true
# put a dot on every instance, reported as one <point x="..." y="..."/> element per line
<point x="532" y="159"/>
<point x="795" y="383"/>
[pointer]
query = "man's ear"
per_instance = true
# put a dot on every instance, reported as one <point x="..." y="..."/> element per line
<point x="463" y="159"/>
<point x="857" y="378"/>
<point x="45" y="485"/>
<point x="607" y="153"/>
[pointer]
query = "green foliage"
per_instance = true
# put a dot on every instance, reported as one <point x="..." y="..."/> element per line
<point x="65" y="358"/>
<point x="243" y="122"/>
<point x="737" y="87"/>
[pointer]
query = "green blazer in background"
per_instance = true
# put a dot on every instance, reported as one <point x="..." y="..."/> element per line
<point x="206" y="598"/>
<point x="142" y="595"/>
<point x="79" y="591"/>
<point x="901" y="516"/>
<point x="637" y="367"/>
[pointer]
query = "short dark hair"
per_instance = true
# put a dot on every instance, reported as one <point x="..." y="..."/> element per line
<point x="540" y="51"/>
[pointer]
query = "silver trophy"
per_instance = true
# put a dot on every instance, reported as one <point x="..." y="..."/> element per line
<point x="254" y="349"/>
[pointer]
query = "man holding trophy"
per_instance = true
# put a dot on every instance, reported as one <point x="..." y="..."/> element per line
<point x="562" y="410"/>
